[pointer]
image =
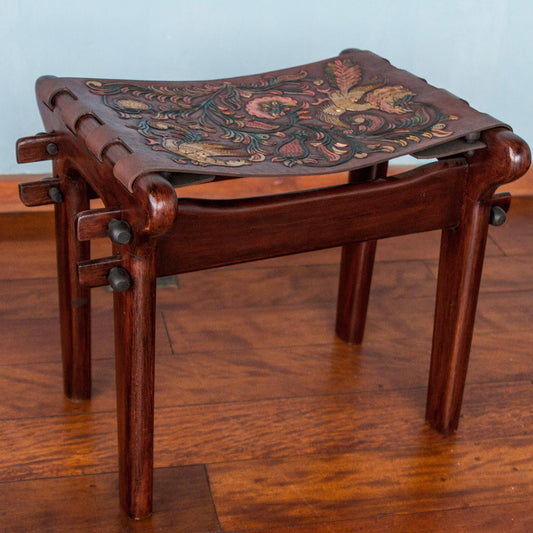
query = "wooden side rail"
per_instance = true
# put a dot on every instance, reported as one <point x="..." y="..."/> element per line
<point x="211" y="233"/>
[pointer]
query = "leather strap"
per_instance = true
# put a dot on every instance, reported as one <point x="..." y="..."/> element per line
<point x="131" y="166"/>
<point x="100" y="138"/>
<point x="48" y="87"/>
<point x="72" y="112"/>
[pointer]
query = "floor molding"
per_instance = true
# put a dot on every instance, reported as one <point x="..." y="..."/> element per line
<point x="10" y="203"/>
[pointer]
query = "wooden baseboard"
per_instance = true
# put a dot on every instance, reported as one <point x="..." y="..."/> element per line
<point x="9" y="195"/>
<point x="10" y="203"/>
<point x="523" y="186"/>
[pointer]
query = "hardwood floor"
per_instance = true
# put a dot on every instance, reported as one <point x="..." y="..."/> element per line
<point x="265" y="422"/>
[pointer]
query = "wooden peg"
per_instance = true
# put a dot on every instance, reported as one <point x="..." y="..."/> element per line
<point x="119" y="279"/>
<point x="119" y="231"/>
<point x="502" y="200"/>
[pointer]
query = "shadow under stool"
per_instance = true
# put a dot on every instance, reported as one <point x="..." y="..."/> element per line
<point x="137" y="145"/>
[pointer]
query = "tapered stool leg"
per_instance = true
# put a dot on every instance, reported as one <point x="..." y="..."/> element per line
<point x="357" y="264"/>
<point x="461" y="261"/>
<point x="134" y="345"/>
<point x="74" y="300"/>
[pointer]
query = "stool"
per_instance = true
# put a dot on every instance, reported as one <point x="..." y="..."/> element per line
<point x="137" y="145"/>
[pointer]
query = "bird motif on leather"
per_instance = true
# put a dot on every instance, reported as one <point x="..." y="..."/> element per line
<point x="324" y="118"/>
<point x="351" y="97"/>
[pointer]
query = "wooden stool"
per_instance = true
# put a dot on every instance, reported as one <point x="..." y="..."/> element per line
<point x="133" y="143"/>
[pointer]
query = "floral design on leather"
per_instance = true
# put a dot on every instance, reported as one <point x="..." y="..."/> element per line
<point x="293" y="119"/>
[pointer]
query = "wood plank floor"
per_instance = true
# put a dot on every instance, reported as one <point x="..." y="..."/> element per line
<point x="265" y="422"/>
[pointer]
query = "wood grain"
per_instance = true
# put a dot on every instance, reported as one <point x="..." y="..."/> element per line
<point x="498" y="517"/>
<point x="232" y="432"/>
<point x="284" y="327"/>
<point x="90" y="503"/>
<point x="27" y="340"/>
<point x="324" y="488"/>
<point x="300" y="435"/>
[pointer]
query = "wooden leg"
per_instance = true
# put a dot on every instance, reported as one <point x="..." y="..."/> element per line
<point x="74" y="300"/>
<point x="134" y="345"/>
<point x="461" y="262"/>
<point x="357" y="263"/>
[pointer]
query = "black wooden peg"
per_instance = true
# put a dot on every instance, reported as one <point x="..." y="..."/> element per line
<point x="119" y="279"/>
<point x="497" y="216"/>
<point x="119" y="231"/>
<point x="55" y="194"/>
<point x="52" y="149"/>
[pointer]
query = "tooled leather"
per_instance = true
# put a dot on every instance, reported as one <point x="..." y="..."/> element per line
<point x="48" y="87"/>
<point x="100" y="138"/>
<point x="131" y="166"/>
<point x="340" y="114"/>
<point x="72" y="112"/>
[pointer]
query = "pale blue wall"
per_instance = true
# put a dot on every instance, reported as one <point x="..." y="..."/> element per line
<point x="479" y="49"/>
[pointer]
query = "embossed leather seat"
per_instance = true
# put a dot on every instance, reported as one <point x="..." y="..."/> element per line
<point x="132" y="143"/>
<point x="335" y="115"/>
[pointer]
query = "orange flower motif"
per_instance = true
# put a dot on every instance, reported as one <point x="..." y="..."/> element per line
<point x="270" y="107"/>
<point x="132" y="105"/>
